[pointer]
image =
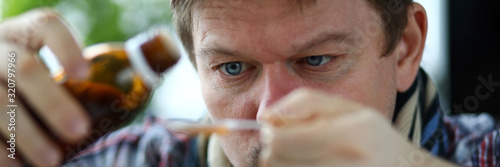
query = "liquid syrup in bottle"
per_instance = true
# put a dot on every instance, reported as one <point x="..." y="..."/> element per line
<point x="120" y="81"/>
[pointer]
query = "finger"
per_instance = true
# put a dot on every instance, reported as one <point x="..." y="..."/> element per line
<point x="27" y="136"/>
<point x="40" y="27"/>
<point x="306" y="142"/>
<point x="54" y="105"/>
<point x="319" y="139"/>
<point x="276" y="162"/>
<point x="268" y="159"/>
<point x="307" y="105"/>
<point x="4" y="157"/>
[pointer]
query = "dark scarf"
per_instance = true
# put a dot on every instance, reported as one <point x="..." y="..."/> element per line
<point x="418" y="115"/>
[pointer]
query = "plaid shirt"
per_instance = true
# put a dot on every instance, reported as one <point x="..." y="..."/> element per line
<point x="474" y="140"/>
<point x="149" y="144"/>
<point x="467" y="140"/>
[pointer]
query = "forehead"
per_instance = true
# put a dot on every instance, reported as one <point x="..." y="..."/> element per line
<point x="277" y="9"/>
<point x="276" y="21"/>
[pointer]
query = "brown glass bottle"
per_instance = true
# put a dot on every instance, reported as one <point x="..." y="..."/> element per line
<point x="120" y="82"/>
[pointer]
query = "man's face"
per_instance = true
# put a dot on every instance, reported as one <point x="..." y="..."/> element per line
<point x="250" y="54"/>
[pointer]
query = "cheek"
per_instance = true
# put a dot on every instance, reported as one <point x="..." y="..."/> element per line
<point x="353" y="87"/>
<point x="370" y="83"/>
<point x="382" y="84"/>
<point x="223" y="104"/>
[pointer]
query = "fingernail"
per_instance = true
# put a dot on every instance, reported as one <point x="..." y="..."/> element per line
<point x="79" y="72"/>
<point x="279" y="122"/>
<point x="266" y="116"/>
<point x="274" y="120"/>
<point x="50" y="157"/>
<point x="77" y="126"/>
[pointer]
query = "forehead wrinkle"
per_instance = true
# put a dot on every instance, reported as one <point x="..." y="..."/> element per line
<point x="266" y="42"/>
<point x="206" y="27"/>
<point x="228" y="46"/>
<point x="258" y="9"/>
<point x="219" y="11"/>
<point x="305" y="24"/>
<point x="262" y="13"/>
<point x="211" y="51"/>
<point x="327" y="37"/>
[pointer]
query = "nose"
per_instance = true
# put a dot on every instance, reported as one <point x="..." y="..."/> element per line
<point x="276" y="81"/>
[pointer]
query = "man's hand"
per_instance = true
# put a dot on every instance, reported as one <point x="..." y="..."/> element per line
<point x="23" y="36"/>
<point x="309" y="128"/>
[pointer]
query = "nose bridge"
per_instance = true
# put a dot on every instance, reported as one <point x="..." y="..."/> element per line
<point x="276" y="81"/>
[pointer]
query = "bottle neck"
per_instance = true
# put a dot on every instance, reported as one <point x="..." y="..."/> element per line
<point x="151" y="53"/>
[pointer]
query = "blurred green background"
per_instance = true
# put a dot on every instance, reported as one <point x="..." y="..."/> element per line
<point x="96" y="21"/>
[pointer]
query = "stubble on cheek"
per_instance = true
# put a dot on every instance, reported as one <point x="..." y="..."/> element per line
<point x="253" y="159"/>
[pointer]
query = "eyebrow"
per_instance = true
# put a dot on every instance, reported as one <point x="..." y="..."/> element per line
<point x="323" y="38"/>
<point x="318" y="40"/>
<point x="219" y="51"/>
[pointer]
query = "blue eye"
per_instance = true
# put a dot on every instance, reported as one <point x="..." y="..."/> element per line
<point x="318" y="60"/>
<point x="233" y="68"/>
